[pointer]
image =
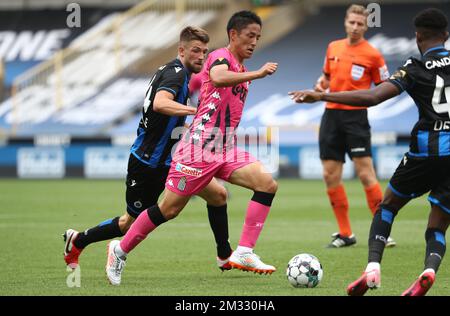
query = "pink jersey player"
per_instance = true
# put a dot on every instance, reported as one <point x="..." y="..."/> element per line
<point x="209" y="150"/>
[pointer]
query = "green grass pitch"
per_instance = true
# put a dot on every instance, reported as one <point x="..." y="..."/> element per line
<point x="179" y="257"/>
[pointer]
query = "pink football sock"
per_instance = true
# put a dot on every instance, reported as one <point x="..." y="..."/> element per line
<point x="254" y="223"/>
<point x="137" y="232"/>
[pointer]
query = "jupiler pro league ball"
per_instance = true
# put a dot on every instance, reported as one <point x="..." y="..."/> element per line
<point x="304" y="270"/>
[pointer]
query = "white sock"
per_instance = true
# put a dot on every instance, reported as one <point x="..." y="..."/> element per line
<point x="119" y="252"/>
<point x="242" y="249"/>
<point x="373" y="266"/>
<point x="428" y="270"/>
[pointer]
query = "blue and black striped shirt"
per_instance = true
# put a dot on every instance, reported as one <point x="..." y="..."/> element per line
<point x="427" y="81"/>
<point x="154" y="140"/>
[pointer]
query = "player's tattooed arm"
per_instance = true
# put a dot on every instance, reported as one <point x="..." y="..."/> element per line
<point x="164" y="103"/>
<point x="367" y="98"/>
<point x="222" y="77"/>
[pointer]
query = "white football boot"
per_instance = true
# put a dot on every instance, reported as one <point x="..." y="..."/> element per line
<point x="114" y="264"/>
<point x="249" y="261"/>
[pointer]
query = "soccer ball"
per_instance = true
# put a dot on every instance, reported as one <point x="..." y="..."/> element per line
<point x="304" y="270"/>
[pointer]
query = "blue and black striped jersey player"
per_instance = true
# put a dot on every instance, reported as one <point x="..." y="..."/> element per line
<point x="426" y="167"/>
<point x="165" y="109"/>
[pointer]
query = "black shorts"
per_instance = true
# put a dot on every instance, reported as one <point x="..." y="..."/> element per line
<point x="344" y="131"/>
<point x="144" y="185"/>
<point x="416" y="176"/>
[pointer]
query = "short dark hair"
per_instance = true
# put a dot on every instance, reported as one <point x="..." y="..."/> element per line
<point x="191" y="33"/>
<point x="432" y="23"/>
<point x="241" y="19"/>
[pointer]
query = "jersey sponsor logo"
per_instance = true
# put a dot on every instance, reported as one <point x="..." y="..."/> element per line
<point x="384" y="73"/>
<point x="443" y="62"/>
<point x="357" y="72"/>
<point x="442" y="125"/>
<point x="170" y="182"/>
<point x="216" y="95"/>
<point x="188" y="170"/>
<point x="241" y="91"/>
<point x="182" y="184"/>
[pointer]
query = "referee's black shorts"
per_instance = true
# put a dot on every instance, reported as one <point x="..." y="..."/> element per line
<point x="144" y="185"/>
<point x="344" y="131"/>
<point x="416" y="176"/>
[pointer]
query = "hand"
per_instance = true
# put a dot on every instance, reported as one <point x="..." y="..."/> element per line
<point x="267" y="69"/>
<point x="322" y="84"/>
<point x="306" y="96"/>
<point x="192" y="110"/>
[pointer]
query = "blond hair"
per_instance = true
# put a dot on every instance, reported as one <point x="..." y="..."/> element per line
<point x="357" y="9"/>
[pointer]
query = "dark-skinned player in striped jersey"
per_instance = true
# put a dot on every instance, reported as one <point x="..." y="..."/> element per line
<point x="426" y="167"/>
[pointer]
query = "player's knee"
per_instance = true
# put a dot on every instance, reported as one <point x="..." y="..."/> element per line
<point x="220" y="198"/>
<point x="170" y="212"/>
<point x="390" y="202"/>
<point x="392" y="208"/>
<point x="125" y="222"/>
<point x="367" y="177"/>
<point x="271" y="186"/>
<point x="275" y="186"/>
<point x="438" y="218"/>
<point x="331" y="177"/>
<point x="217" y="197"/>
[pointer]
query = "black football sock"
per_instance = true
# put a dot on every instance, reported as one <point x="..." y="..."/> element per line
<point x="435" y="251"/>
<point x="104" y="231"/>
<point x="218" y="219"/>
<point x="155" y="215"/>
<point x="380" y="230"/>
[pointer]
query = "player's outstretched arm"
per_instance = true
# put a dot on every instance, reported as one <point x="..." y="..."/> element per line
<point x="367" y="98"/>
<point x="222" y="77"/>
<point x="165" y="104"/>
